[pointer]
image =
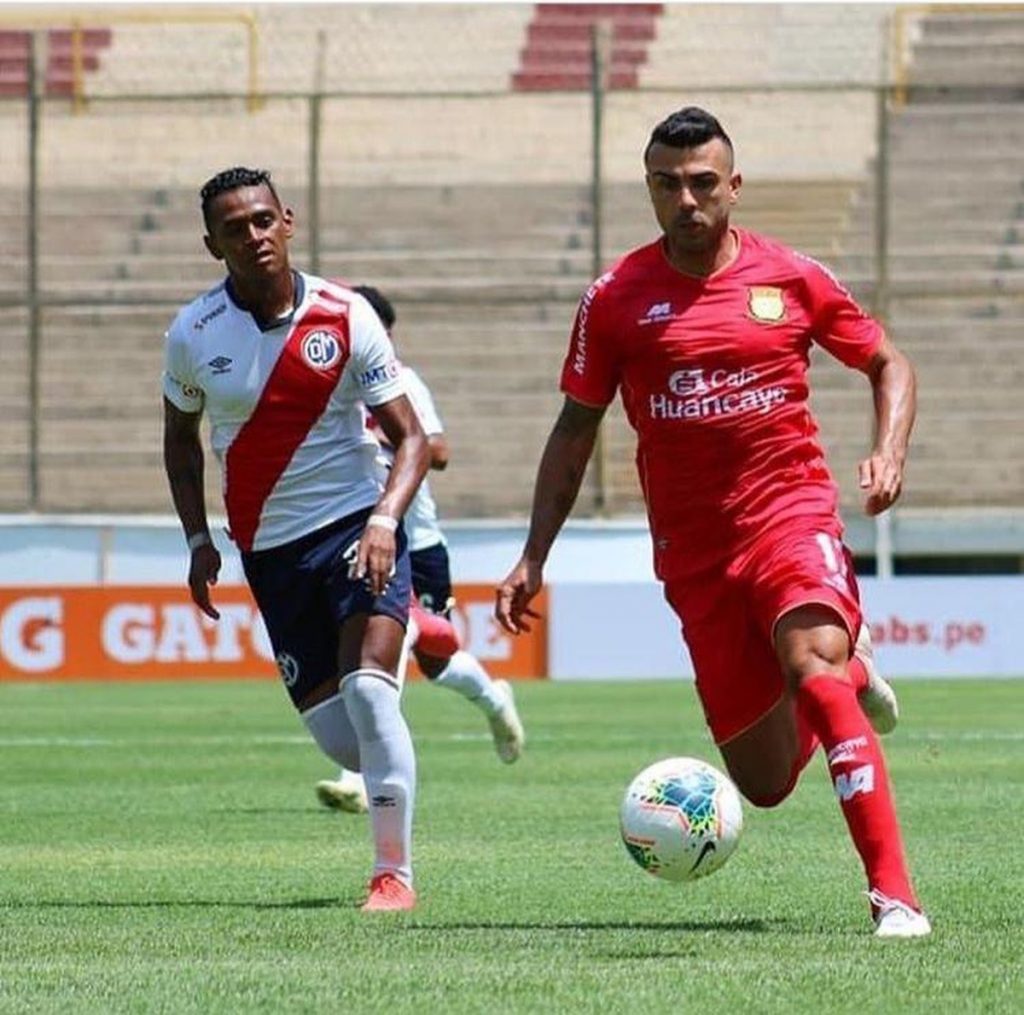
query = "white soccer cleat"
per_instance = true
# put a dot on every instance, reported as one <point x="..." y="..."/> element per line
<point x="877" y="700"/>
<point x="346" y="793"/>
<point x="506" y="727"/>
<point x="896" y="919"/>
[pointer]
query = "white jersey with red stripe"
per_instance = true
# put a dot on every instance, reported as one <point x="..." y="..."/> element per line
<point x="286" y="405"/>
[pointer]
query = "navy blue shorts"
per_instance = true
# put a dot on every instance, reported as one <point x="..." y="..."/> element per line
<point x="432" y="579"/>
<point x="304" y="594"/>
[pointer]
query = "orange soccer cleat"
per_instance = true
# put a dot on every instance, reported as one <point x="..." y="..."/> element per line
<point x="388" y="894"/>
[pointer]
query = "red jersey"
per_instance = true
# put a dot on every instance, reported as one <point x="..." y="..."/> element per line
<point x="713" y="375"/>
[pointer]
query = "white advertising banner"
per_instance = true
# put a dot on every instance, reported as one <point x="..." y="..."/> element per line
<point x="921" y="627"/>
<point x="607" y="630"/>
<point x="947" y="627"/>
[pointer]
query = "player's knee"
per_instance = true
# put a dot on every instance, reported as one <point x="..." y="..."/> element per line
<point x="329" y="725"/>
<point x="372" y="702"/>
<point x="812" y="660"/>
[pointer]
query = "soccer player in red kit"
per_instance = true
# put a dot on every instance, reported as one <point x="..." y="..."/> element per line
<point x="706" y="333"/>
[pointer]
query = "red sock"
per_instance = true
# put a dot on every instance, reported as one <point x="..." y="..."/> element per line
<point x="807" y="744"/>
<point x="858" y="674"/>
<point x="857" y="768"/>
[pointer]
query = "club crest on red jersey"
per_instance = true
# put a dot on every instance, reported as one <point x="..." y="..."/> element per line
<point x="321" y="349"/>
<point x="765" y="304"/>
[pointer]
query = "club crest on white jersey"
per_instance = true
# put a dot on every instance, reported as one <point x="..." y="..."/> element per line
<point x="322" y="349"/>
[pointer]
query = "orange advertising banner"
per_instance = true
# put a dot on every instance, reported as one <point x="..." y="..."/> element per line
<point x="156" y="633"/>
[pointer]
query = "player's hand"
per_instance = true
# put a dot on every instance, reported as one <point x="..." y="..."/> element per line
<point x="203" y="569"/>
<point x="374" y="560"/>
<point x="514" y="594"/>
<point x="881" y="479"/>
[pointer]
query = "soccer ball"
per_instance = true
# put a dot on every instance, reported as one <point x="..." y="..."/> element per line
<point x="681" y="819"/>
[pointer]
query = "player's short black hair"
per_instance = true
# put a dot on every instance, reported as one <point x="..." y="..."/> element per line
<point x="232" y="179"/>
<point x="689" y="127"/>
<point x="380" y="303"/>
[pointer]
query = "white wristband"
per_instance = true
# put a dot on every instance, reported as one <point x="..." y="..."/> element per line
<point x="198" y="539"/>
<point x="384" y="521"/>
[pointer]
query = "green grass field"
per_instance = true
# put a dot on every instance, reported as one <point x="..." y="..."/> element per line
<point x="162" y="850"/>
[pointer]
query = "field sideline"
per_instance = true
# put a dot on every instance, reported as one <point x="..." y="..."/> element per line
<point x="162" y="850"/>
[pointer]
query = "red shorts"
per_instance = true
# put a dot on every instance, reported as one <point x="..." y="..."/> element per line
<point x="729" y="616"/>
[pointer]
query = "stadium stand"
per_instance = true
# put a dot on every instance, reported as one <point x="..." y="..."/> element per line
<point x="468" y="202"/>
<point x="557" y="54"/>
<point x="956" y="259"/>
<point x="59" y="76"/>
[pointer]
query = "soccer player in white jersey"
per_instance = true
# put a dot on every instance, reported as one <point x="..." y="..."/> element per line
<point x="459" y="671"/>
<point x="284" y="363"/>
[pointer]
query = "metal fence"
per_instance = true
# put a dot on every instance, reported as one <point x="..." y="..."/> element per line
<point x="483" y="214"/>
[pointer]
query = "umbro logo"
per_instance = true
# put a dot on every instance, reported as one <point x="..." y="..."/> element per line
<point x="221" y="364"/>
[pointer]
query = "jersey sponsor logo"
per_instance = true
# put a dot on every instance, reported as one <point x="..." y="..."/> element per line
<point x="221" y="364"/>
<point x="703" y="393"/>
<point x="387" y="372"/>
<point x="688" y="382"/>
<point x="322" y="349"/>
<point x="765" y="304"/>
<point x="209" y="316"/>
<point x="580" y="336"/>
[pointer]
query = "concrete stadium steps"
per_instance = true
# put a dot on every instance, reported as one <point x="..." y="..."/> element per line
<point x="384" y="47"/>
<point x="963" y="55"/>
<point x="768" y="44"/>
<point x="58" y="79"/>
<point x="557" y="53"/>
<point x="955" y="237"/>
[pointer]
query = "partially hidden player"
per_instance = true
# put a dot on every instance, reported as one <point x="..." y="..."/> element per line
<point x="433" y="638"/>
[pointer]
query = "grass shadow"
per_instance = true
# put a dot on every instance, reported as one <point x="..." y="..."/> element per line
<point x="743" y="926"/>
<point x="181" y="904"/>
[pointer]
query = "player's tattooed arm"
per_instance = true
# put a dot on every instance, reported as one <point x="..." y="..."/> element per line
<point x="561" y="471"/>
<point x="894" y="387"/>
<point x="183" y="462"/>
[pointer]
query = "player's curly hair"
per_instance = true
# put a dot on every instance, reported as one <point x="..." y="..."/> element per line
<point x="689" y="127"/>
<point x="232" y="179"/>
<point x="380" y="303"/>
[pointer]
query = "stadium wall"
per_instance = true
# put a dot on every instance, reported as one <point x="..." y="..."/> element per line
<point x="81" y="600"/>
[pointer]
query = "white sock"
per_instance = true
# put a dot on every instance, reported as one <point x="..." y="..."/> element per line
<point x="388" y="765"/>
<point x="464" y="675"/>
<point x="331" y="728"/>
